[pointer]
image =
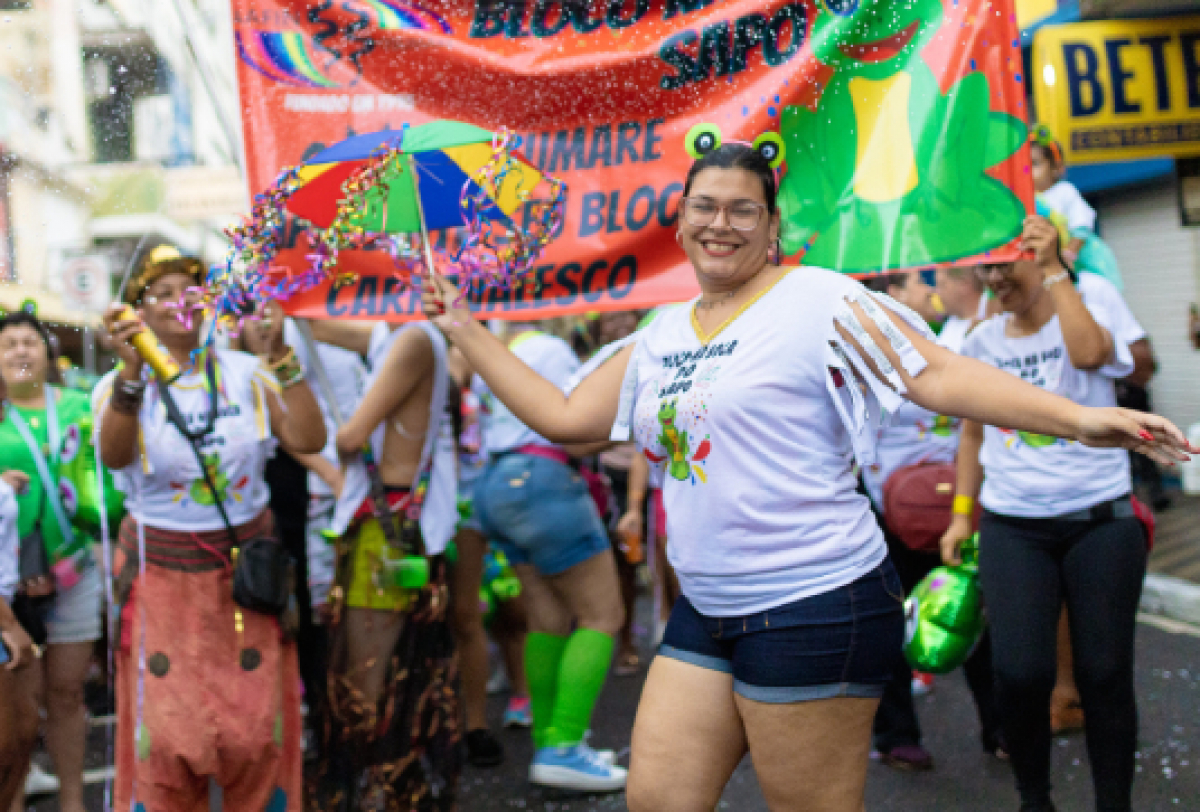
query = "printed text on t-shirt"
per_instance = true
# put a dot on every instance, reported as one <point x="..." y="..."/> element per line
<point x="1030" y="367"/>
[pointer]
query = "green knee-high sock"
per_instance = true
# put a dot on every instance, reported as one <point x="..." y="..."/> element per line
<point x="581" y="675"/>
<point x="543" y="655"/>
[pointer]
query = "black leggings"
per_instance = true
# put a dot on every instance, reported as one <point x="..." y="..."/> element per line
<point x="1027" y="568"/>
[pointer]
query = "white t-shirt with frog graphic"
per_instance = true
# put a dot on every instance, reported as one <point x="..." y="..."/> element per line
<point x="753" y="435"/>
<point x="1034" y="476"/>
<point x="164" y="485"/>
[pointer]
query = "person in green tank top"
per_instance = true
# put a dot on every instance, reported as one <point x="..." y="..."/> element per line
<point x="46" y="450"/>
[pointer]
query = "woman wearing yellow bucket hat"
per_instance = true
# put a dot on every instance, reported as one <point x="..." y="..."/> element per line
<point x="207" y="684"/>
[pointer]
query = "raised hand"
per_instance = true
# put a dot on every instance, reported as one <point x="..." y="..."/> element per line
<point x="443" y="304"/>
<point x="121" y="329"/>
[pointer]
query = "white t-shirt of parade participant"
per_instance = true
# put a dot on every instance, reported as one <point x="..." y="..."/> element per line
<point x="914" y="434"/>
<point x="164" y="485"/>
<point x="1032" y="475"/>
<point x="547" y="355"/>
<point x="9" y="542"/>
<point x="1099" y="292"/>
<point x="1065" y="199"/>
<point x="754" y="436"/>
<point x="954" y="333"/>
<point x="346" y="374"/>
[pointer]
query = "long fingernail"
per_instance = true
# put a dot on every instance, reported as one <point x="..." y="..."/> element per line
<point x="1145" y="435"/>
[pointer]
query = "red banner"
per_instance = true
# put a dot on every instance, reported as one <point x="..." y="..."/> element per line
<point x="903" y="124"/>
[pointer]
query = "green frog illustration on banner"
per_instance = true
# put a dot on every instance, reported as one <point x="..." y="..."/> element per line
<point x="888" y="171"/>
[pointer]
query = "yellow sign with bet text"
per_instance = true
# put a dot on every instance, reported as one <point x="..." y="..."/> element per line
<point x="1120" y="89"/>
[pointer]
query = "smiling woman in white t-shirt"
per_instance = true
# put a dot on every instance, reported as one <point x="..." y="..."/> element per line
<point x="752" y="403"/>
<point x="207" y="691"/>
<point x="1058" y="522"/>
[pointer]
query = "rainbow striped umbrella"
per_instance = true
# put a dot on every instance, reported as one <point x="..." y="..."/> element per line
<point x="450" y="159"/>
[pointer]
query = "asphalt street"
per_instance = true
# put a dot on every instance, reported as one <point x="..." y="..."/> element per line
<point x="1168" y="679"/>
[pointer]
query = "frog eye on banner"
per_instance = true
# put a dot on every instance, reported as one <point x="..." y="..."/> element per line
<point x="841" y="8"/>
<point x="702" y="139"/>
<point x="770" y="146"/>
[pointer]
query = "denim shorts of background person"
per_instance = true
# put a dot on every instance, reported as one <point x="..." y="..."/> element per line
<point x="539" y="511"/>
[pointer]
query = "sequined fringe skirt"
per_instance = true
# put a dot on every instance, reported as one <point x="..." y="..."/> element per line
<point x="402" y="753"/>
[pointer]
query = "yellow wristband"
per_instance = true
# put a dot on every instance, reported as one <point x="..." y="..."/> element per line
<point x="963" y="505"/>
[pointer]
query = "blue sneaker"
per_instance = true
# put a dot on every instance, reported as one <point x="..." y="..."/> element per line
<point x="577" y="767"/>
<point x="518" y="713"/>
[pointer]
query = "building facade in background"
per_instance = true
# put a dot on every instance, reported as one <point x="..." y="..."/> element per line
<point x="117" y="130"/>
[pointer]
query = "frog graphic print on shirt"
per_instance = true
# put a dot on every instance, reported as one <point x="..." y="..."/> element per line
<point x="677" y="439"/>
<point x="198" y="491"/>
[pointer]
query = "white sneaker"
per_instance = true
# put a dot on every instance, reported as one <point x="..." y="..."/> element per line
<point x="40" y="782"/>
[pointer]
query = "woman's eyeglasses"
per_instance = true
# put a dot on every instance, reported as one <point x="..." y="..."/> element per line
<point x="187" y="298"/>
<point x="740" y="215"/>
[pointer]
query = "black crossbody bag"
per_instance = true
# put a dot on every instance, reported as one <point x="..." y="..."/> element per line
<point x="263" y="571"/>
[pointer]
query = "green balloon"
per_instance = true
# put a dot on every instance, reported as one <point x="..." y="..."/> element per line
<point x="944" y="615"/>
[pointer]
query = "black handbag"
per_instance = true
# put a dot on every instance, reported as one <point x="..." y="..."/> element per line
<point x="263" y="571"/>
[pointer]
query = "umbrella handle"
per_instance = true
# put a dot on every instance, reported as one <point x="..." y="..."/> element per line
<point x="412" y="167"/>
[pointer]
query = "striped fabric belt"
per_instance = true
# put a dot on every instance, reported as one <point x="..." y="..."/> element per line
<point x="182" y="551"/>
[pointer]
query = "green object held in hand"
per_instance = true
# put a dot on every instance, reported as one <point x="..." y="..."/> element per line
<point x="944" y="615"/>
<point x="409" y="572"/>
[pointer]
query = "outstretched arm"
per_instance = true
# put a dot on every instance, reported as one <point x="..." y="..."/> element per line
<point x="586" y="416"/>
<point x="955" y="385"/>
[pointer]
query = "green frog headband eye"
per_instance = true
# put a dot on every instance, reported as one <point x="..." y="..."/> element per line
<point x="1040" y="135"/>
<point x="702" y="139"/>
<point x="770" y="146"/>
<point x="705" y="138"/>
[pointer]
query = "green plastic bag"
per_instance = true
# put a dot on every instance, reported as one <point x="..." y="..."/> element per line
<point x="944" y="615"/>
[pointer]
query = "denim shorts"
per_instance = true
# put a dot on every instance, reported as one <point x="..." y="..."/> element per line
<point x="538" y="511"/>
<point x="842" y="643"/>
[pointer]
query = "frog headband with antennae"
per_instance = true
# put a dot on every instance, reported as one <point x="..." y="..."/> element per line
<point x="1040" y="134"/>
<point x="705" y="138"/>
